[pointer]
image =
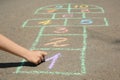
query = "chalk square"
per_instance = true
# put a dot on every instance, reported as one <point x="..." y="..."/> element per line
<point x="95" y="10"/>
<point x="69" y="15"/>
<point x="96" y="15"/>
<point x="95" y="22"/>
<point x="59" y="6"/>
<point x="88" y="10"/>
<point x="63" y="30"/>
<point x="43" y="16"/>
<point x="43" y="22"/>
<point x="52" y="10"/>
<point x="60" y="42"/>
<point x="67" y="63"/>
<point x="77" y="10"/>
<point x="78" y="6"/>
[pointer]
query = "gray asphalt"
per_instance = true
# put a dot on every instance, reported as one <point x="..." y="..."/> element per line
<point x="98" y="58"/>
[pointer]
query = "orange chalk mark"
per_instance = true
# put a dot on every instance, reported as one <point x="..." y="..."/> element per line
<point x="57" y="42"/>
<point x="51" y="11"/>
<point x="76" y="6"/>
<point x="83" y="6"/>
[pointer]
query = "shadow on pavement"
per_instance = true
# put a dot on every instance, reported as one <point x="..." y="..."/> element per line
<point x="17" y="64"/>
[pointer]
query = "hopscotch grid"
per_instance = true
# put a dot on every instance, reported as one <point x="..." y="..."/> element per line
<point x="33" y="47"/>
<point x="65" y="21"/>
<point x="71" y="12"/>
<point x="58" y="18"/>
<point x="37" y="40"/>
<point x="97" y="7"/>
<point x="67" y="49"/>
<point x="49" y="72"/>
<point x="83" y="49"/>
<point x="62" y="34"/>
<point x="70" y="26"/>
<point x="70" y="8"/>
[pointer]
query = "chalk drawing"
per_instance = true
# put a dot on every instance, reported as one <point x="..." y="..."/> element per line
<point x="45" y="22"/>
<point x="60" y="43"/>
<point x="85" y="10"/>
<point x="54" y="59"/>
<point x="61" y="30"/>
<point x="76" y="6"/>
<point x="57" y="42"/>
<point x="59" y="6"/>
<point x="84" y="6"/>
<point x="86" y="21"/>
<point x="51" y="10"/>
<point x="67" y="15"/>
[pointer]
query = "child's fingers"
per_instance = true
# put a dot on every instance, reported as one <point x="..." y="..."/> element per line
<point x="44" y="53"/>
<point x="39" y="60"/>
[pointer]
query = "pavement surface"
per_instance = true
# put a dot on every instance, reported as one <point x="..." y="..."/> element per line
<point x="81" y="38"/>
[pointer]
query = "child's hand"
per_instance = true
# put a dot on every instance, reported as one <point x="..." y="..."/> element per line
<point x="36" y="56"/>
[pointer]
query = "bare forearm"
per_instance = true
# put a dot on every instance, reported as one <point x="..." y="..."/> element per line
<point x="10" y="46"/>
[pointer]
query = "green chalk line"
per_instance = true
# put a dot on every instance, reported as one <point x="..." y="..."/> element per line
<point x="62" y="34"/>
<point x="65" y="22"/>
<point x="102" y="10"/>
<point x="83" y="52"/>
<point x="68" y="49"/>
<point x="20" y="67"/>
<point x="83" y="15"/>
<point x="106" y="22"/>
<point x="62" y="18"/>
<point x="69" y="26"/>
<point x="53" y="16"/>
<point x="34" y="44"/>
<point x="24" y="24"/>
<point x="82" y="57"/>
<point x="69" y="8"/>
<point x="48" y="72"/>
<point x="71" y="12"/>
<point x="38" y="37"/>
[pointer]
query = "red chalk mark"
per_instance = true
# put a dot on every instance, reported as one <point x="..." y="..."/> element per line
<point x="85" y="10"/>
<point x="61" y="30"/>
<point x="67" y="15"/>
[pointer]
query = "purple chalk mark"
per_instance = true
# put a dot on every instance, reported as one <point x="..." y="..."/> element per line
<point x="54" y="58"/>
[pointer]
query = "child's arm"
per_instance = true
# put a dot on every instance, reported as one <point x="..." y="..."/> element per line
<point x="32" y="56"/>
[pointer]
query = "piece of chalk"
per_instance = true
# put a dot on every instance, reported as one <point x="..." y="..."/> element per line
<point x="43" y="59"/>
